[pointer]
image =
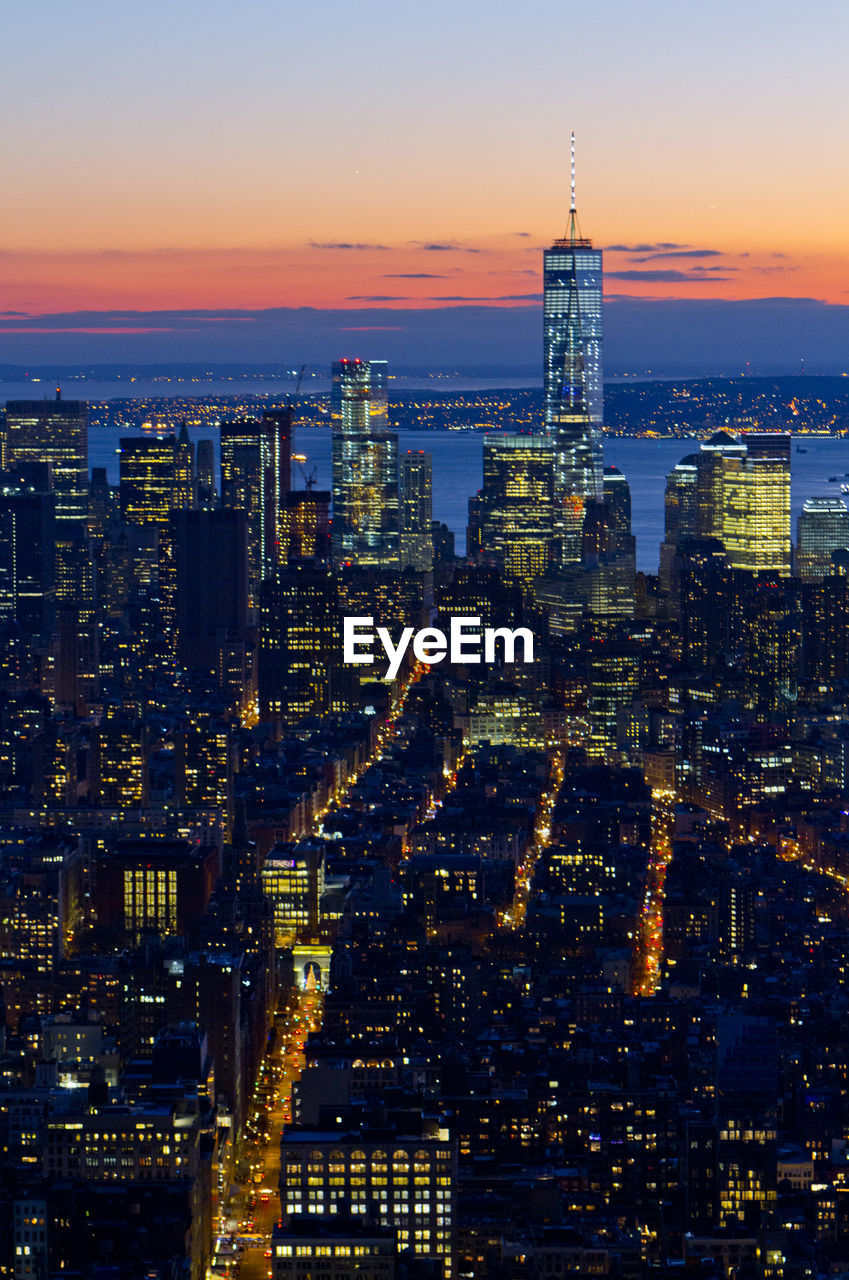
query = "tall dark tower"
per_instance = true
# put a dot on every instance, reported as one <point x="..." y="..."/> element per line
<point x="573" y="393"/>
<point x="277" y="427"/>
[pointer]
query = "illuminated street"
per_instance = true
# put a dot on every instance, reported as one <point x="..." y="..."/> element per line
<point x="649" y="943"/>
<point x="249" y="1216"/>
<point x="515" y="917"/>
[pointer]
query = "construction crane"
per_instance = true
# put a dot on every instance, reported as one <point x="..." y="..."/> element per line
<point x="311" y="479"/>
<point x="294" y="394"/>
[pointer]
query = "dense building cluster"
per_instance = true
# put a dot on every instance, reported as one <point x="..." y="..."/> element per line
<point x="527" y="962"/>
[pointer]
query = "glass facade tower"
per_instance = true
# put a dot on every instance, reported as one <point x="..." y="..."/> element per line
<point x="822" y="528"/>
<point x="573" y="392"/>
<point x="366" y="518"/>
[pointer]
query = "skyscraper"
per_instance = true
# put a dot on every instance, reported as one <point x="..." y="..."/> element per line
<point x="147" y="477"/>
<point x="307" y="525"/>
<point x="341" y="397"/>
<point x="680" y="513"/>
<point x="573" y="392"/>
<point x="365" y="529"/>
<point x="609" y="550"/>
<point x="53" y="431"/>
<point x="822" y="527"/>
<point x="515" y="508"/>
<point x="56" y="432"/>
<point x="756" y="504"/>
<point x="416" y="511"/>
<point x="277" y="426"/>
<point x="27" y="532"/>
<point x="247" y="485"/>
<point x="211" y="583"/>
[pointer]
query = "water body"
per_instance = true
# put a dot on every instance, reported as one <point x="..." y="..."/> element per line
<point x="458" y="472"/>
<point x="128" y="388"/>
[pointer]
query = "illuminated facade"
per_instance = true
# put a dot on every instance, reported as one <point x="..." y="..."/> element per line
<point x="204" y="768"/>
<point x="293" y="880"/>
<point x="756" y="505"/>
<point x="120" y="763"/>
<point x="300" y="645"/>
<point x="184" y="472"/>
<point x="609" y="551"/>
<point x="822" y="528"/>
<point x="407" y="1185"/>
<point x="147" y="479"/>
<point x="366" y="516"/>
<point x="55" y="432"/>
<point x="122" y="1144"/>
<point x="154" y="886"/>
<point x="680" y="513"/>
<point x="416" y="546"/>
<point x="613" y="683"/>
<point x="246" y="485"/>
<point x="517" y="504"/>
<point x="343" y="1254"/>
<point x="717" y="458"/>
<point x="572" y="377"/>
<point x="306" y="518"/>
<point x="343" y="403"/>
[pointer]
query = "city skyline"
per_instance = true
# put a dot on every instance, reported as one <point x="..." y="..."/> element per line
<point x="399" y="878"/>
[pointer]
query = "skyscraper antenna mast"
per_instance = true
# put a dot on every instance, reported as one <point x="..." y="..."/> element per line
<point x="573" y="207"/>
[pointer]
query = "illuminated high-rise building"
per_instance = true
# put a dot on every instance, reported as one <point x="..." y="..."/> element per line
<point x="341" y="399"/>
<point x="246" y="485"/>
<point x="416" y="545"/>
<point x="147" y="470"/>
<point x="293" y="879"/>
<point x="516" y="505"/>
<point x="306" y="519"/>
<point x="680" y="514"/>
<point x="203" y="772"/>
<point x="299" y="644"/>
<point x="183" y="497"/>
<point x="256" y="473"/>
<point x="822" y="528"/>
<point x="609" y="551"/>
<point x="277" y="426"/>
<point x="573" y="392"/>
<point x="717" y="458"/>
<point x="756" y="504"/>
<point x="365" y="529"/>
<point x="56" y="432"/>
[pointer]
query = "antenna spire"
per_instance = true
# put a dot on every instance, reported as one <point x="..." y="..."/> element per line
<point x="573" y="206"/>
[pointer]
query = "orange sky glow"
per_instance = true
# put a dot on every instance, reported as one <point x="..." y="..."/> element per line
<point x="170" y="164"/>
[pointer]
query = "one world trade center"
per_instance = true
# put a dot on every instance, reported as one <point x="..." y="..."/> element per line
<point x="573" y="394"/>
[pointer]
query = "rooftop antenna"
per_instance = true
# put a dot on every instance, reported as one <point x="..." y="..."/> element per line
<point x="573" y="207"/>
<point x="574" y="233"/>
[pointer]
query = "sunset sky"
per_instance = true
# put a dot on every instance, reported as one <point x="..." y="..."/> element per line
<point x="213" y="153"/>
